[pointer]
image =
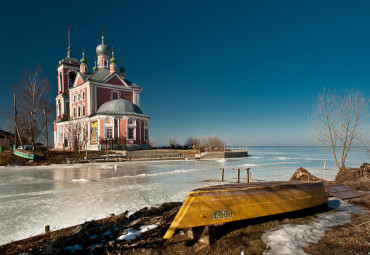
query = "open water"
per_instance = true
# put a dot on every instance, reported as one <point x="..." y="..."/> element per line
<point x="66" y="195"/>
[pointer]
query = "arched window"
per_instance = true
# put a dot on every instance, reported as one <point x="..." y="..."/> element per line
<point x="74" y="112"/>
<point x="72" y="77"/>
<point x="83" y="95"/>
<point x="60" y="82"/>
<point x="83" y="110"/>
<point x="78" y="97"/>
<point x="74" y="98"/>
<point x="130" y="121"/>
<point x="59" y="108"/>
<point x="79" y="111"/>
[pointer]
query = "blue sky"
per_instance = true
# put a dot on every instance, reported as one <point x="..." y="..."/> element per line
<point x="247" y="71"/>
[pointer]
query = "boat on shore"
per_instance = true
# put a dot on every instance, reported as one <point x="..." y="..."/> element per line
<point x="231" y="202"/>
<point x="24" y="153"/>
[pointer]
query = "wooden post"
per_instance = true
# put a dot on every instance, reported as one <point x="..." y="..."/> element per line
<point x="46" y="126"/>
<point x="238" y="175"/>
<point x="47" y="228"/>
<point x="222" y="176"/>
<point x="248" y="180"/>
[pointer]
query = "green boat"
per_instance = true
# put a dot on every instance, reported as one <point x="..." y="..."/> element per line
<point x="24" y="153"/>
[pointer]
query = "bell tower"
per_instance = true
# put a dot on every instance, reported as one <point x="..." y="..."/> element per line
<point x="67" y="70"/>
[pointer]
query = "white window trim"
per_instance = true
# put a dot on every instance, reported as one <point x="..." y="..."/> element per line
<point x="131" y="126"/>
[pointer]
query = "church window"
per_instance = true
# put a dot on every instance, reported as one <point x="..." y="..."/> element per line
<point x="78" y="97"/>
<point x="146" y="133"/>
<point x="108" y="121"/>
<point x="83" y="95"/>
<point x="83" y="110"/>
<point x="79" y="112"/>
<point x="74" y="98"/>
<point x="74" y="112"/>
<point x="108" y="133"/>
<point x="130" y="121"/>
<point x="130" y="133"/>
<point x="59" y="108"/>
<point x="60" y="82"/>
<point x="72" y="77"/>
<point x="146" y="124"/>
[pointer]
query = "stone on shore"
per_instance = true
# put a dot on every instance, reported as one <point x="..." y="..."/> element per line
<point x="302" y="174"/>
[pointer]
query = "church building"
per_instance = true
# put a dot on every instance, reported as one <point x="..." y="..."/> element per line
<point x="98" y="110"/>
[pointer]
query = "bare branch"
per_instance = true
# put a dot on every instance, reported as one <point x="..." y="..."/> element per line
<point x="337" y="121"/>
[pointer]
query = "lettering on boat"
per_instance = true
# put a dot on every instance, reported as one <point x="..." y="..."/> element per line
<point x="225" y="214"/>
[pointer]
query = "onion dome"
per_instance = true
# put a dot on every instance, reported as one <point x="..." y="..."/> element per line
<point x="102" y="49"/>
<point x="122" y="69"/>
<point x="95" y="67"/>
<point x="83" y="60"/>
<point x="113" y="60"/>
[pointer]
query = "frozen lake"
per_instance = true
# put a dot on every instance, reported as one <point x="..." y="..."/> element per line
<point x="65" y="195"/>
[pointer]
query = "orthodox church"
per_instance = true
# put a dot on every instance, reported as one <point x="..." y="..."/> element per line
<point x="98" y="110"/>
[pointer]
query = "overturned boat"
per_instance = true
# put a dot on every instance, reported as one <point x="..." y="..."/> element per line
<point x="231" y="202"/>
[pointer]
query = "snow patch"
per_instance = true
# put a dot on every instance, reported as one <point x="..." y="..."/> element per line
<point x="290" y="238"/>
<point x="132" y="234"/>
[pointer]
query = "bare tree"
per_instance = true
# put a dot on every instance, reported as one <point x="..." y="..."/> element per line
<point x="337" y="121"/>
<point x="213" y="142"/>
<point x="32" y="100"/>
<point x="76" y="135"/>
<point x="173" y="142"/>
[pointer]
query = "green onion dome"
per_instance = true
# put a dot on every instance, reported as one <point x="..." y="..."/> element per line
<point x="113" y="60"/>
<point x="95" y="68"/>
<point x="83" y="61"/>
<point x="122" y="69"/>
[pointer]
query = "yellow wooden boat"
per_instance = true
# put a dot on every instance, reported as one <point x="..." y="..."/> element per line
<point x="232" y="202"/>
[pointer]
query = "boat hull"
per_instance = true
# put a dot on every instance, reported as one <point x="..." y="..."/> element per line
<point x="232" y="202"/>
<point x="24" y="154"/>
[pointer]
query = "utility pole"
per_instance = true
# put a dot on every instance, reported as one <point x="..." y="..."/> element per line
<point x="15" y="122"/>
<point x="46" y="126"/>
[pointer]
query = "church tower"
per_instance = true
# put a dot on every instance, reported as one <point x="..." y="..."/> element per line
<point x="102" y="53"/>
<point x="67" y="70"/>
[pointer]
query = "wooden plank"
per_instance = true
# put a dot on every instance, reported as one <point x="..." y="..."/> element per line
<point x="342" y="192"/>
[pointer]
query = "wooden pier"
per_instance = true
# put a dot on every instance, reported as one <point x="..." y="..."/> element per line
<point x="248" y="175"/>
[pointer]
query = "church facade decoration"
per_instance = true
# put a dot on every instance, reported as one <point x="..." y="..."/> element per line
<point x="98" y="110"/>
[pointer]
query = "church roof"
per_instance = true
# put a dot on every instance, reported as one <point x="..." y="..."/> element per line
<point x="119" y="106"/>
<point x="70" y="60"/>
<point x="101" y="75"/>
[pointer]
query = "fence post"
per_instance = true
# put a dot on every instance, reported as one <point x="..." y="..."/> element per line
<point x="222" y="175"/>
<point x="238" y="175"/>
<point x="248" y="179"/>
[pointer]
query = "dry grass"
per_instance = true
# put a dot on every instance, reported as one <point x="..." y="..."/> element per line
<point x="351" y="238"/>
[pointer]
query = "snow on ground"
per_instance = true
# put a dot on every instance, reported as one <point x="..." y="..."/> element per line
<point x="290" y="239"/>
